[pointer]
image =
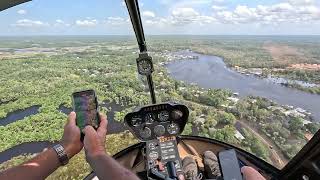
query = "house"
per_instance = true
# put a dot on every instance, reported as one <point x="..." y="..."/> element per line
<point x="308" y="136"/>
<point x="294" y="113"/>
<point x="238" y="135"/>
<point x="233" y="99"/>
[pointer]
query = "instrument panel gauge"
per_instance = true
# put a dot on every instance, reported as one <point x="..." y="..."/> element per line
<point x="153" y="155"/>
<point x="159" y="130"/>
<point x="173" y="128"/>
<point x="153" y="145"/>
<point x="149" y="118"/>
<point x="136" y="121"/>
<point x="164" y="116"/>
<point x="145" y="132"/>
<point x="176" y="114"/>
<point x="145" y="66"/>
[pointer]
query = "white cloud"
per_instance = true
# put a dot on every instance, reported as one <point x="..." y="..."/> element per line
<point x="189" y="3"/>
<point x="218" y="8"/>
<point x="87" y="23"/>
<point x="181" y="17"/>
<point x="60" y="23"/>
<point x="123" y="4"/>
<point x="149" y="14"/>
<point x="185" y="12"/>
<point x="301" y="2"/>
<point x="117" y="21"/>
<point x="27" y="23"/>
<point x="22" y="11"/>
<point x="287" y="12"/>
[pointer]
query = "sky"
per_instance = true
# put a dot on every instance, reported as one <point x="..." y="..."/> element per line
<point x="161" y="17"/>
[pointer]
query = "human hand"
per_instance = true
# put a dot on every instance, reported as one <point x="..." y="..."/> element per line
<point x="71" y="137"/>
<point x="251" y="174"/>
<point x="94" y="141"/>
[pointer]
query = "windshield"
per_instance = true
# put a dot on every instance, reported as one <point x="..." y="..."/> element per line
<point x="249" y="73"/>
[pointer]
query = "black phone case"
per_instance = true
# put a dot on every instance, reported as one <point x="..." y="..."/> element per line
<point x="97" y="108"/>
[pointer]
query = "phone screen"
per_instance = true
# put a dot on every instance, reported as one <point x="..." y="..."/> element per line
<point x="85" y="105"/>
<point x="229" y="165"/>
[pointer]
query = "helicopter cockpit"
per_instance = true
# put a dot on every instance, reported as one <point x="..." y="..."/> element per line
<point x="159" y="128"/>
<point x="161" y="147"/>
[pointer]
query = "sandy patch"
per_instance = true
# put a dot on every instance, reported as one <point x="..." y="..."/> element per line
<point x="283" y="54"/>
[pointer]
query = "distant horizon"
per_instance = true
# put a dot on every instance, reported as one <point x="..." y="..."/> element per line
<point x="131" y="35"/>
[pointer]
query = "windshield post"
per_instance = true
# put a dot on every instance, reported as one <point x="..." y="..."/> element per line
<point x="144" y="62"/>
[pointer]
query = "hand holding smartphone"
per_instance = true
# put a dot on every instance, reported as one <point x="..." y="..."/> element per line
<point x="85" y="105"/>
<point x="229" y="165"/>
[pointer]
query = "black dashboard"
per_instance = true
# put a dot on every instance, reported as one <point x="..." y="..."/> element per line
<point x="150" y="122"/>
<point x="158" y="125"/>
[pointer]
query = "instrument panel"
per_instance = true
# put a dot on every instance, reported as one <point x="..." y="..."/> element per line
<point x="150" y="122"/>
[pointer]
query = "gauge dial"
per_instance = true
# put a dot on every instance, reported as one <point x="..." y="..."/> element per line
<point x="153" y="155"/>
<point x="176" y="114"/>
<point x="153" y="145"/>
<point x="173" y="128"/>
<point x="145" y="66"/>
<point x="145" y="132"/>
<point x="136" y="121"/>
<point x="163" y="116"/>
<point x="149" y="118"/>
<point x="159" y="130"/>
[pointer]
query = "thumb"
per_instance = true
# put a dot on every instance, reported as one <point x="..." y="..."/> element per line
<point x="72" y="119"/>
<point x="249" y="173"/>
<point x="89" y="131"/>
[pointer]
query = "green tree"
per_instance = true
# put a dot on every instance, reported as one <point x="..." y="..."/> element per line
<point x="313" y="127"/>
<point x="210" y="122"/>
<point x="226" y="118"/>
<point x="295" y="124"/>
<point x="187" y="129"/>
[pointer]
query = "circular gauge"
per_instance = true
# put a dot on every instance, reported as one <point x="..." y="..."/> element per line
<point x="153" y="155"/>
<point x="176" y="114"/>
<point x="145" y="132"/>
<point x="163" y="115"/>
<point x="159" y="130"/>
<point x="152" y="145"/>
<point x="173" y="128"/>
<point x="145" y="66"/>
<point x="149" y="118"/>
<point x="136" y="121"/>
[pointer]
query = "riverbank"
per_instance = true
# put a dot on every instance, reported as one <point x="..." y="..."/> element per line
<point x="277" y="76"/>
<point x="211" y="72"/>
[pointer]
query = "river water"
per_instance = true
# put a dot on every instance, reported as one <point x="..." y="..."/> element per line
<point x="211" y="72"/>
<point x="19" y="115"/>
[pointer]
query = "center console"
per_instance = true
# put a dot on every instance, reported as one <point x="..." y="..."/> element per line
<point x="157" y="126"/>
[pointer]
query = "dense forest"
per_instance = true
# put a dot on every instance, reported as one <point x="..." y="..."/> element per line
<point x="44" y="71"/>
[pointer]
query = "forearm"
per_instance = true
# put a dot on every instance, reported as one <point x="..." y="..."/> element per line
<point x="106" y="167"/>
<point x="39" y="167"/>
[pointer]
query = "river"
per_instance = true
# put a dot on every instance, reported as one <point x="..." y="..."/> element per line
<point x="19" y="115"/>
<point x="211" y="72"/>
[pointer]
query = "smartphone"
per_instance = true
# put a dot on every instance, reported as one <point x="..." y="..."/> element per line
<point x="85" y="105"/>
<point x="229" y="165"/>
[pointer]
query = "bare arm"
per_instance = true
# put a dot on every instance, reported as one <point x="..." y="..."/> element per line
<point x="102" y="164"/>
<point x="47" y="162"/>
<point x="36" y="168"/>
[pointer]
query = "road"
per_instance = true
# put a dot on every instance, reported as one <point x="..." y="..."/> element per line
<point x="276" y="155"/>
